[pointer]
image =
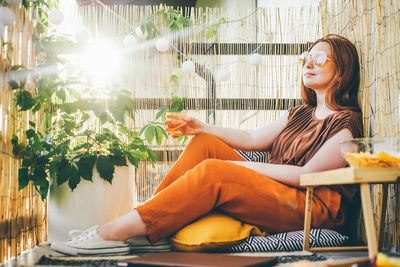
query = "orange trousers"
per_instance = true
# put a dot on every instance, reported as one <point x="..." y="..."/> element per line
<point x="201" y="181"/>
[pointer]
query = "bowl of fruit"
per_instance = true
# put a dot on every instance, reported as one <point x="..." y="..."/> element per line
<point x="374" y="152"/>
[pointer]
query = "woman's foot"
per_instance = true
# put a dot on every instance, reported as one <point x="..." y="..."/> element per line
<point x="89" y="242"/>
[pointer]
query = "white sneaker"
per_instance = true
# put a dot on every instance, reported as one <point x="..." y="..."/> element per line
<point x="140" y="244"/>
<point x="89" y="242"/>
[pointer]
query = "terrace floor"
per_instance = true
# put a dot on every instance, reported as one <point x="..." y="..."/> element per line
<point x="31" y="258"/>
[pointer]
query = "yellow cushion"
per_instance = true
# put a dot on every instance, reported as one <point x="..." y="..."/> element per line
<point x="211" y="232"/>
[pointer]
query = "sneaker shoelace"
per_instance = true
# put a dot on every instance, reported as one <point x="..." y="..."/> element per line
<point x="79" y="236"/>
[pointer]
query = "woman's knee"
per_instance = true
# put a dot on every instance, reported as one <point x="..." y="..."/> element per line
<point x="204" y="138"/>
<point x="214" y="170"/>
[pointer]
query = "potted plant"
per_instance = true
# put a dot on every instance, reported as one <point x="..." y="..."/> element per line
<point x="81" y="144"/>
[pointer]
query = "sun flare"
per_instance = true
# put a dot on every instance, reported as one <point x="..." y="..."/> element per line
<point x="101" y="62"/>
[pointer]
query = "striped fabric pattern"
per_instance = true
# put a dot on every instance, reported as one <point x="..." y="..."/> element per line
<point x="290" y="241"/>
<point x="255" y="156"/>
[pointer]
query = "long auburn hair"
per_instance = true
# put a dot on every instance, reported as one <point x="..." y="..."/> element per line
<point x="342" y="91"/>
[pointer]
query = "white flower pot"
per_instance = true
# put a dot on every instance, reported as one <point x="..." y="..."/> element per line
<point x="91" y="203"/>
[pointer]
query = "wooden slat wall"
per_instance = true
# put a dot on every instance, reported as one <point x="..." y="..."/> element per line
<point x="374" y="26"/>
<point x="22" y="213"/>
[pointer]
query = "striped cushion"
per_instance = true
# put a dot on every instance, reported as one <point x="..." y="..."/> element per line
<point x="290" y="241"/>
<point x="256" y="156"/>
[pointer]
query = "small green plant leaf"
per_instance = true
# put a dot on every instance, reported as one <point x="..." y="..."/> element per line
<point x="152" y="155"/>
<point x="30" y="133"/>
<point x="159" y="135"/>
<point x="44" y="189"/>
<point x="23" y="178"/>
<point x="176" y="104"/>
<point x="150" y="133"/>
<point x="175" y="79"/>
<point x="210" y="32"/>
<point x="74" y="179"/>
<point x="26" y="3"/>
<point x="13" y="84"/>
<point x="161" y="113"/>
<point x="86" y="165"/>
<point x="64" y="171"/>
<point x="19" y="150"/>
<point x="106" y="168"/>
<point x="14" y="139"/>
<point x="24" y="100"/>
<point x="18" y="67"/>
<point x="36" y="107"/>
<point x="133" y="160"/>
<point x="118" y="160"/>
<point x="159" y="12"/>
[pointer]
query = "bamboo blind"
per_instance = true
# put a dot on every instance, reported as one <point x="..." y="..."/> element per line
<point x="23" y="219"/>
<point x="147" y="72"/>
<point x="374" y="27"/>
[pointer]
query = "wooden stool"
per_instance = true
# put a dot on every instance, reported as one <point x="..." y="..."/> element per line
<point x="364" y="177"/>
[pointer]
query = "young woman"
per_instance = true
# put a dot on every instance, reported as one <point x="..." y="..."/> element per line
<point x="210" y="175"/>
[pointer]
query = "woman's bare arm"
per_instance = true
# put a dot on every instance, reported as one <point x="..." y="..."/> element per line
<point x="326" y="158"/>
<point x="260" y="139"/>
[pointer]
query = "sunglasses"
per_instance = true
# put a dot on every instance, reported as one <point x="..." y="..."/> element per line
<point x="319" y="59"/>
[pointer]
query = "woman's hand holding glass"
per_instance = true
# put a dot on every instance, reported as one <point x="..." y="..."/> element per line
<point x="179" y="125"/>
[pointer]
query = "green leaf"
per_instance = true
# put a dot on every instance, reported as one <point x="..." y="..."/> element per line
<point x="64" y="171"/>
<point x="144" y="128"/>
<point x="183" y="139"/>
<point x="210" y="32"/>
<point x="36" y="107"/>
<point x="23" y="178"/>
<point x="175" y="79"/>
<point x="142" y="155"/>
<point x="74" y="179"/>
<point x="44" y="189"/>
<point x="19" y="150"/>
<point x="159" y="11"/>
<point x="18" y="67"/>
<point x="32" y="124"/>
<point x="86" y="165"/>
<point x="222" y="20"/>
<point x="13" y="84"/>
<point x="159" y="135"/>
<point x="164" y="132"/>
<point x="152" y="155"/>
<point x="105" y="166"/>
<point x="25" y="3"/>
<point x="118" y="160"/>
<point x="14" y="139"/>
<point x="150" y="133"/>
<point x="161" y="113"/>
<point x="134" y="160"/>
<point x="39" y="176"/>
<point x="30" y="133"/>
<point x="25" y="100"/>
<point x="176" y="104"/>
